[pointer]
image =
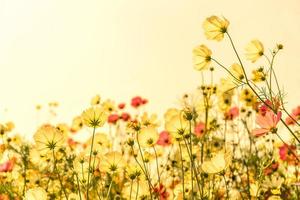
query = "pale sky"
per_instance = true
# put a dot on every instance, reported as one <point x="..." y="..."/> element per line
<point x="70" y="50"/>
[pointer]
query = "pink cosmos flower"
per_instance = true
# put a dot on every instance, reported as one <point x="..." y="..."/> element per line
<point x="125" y="116"/>
<point x="161" y="192"/>
<point x="138" y="101"/>
<point x="295" y="116"/>
<point x="285" y="153"/>
<point x="267" y="123"/>
<point x="113" y="118"/>
<point x="7" y="166"/>
<point x="232" y="113"/>
<point x="164" y="139"/>
<point x="199" y="129"/>
<point x="121" y="106"/>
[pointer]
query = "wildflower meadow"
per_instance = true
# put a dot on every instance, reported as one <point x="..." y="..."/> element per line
<point x="232" y="138"/>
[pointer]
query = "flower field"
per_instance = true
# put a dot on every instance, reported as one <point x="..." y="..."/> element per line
<point x="231" y="138"/>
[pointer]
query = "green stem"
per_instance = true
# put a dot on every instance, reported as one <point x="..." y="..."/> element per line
<point x="182" y="171"/>
<point x="90" y="158"/>
<point x="146" y="171"/>
<point x="157" y="168"/>
<point x="58" y="175"/>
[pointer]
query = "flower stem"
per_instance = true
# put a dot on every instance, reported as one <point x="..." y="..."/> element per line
<point x="90" y="158"/>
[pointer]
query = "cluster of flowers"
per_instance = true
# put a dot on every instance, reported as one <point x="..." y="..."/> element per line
<point x="227" y="140"/>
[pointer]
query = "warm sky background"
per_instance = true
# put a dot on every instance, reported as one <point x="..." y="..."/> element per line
<point x="70" y="50"/>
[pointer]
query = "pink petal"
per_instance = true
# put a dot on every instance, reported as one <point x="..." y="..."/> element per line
<point x="259" y="131"/>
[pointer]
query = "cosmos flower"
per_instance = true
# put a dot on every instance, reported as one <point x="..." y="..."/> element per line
<point x="94" y="116"/>
<point x="237" y="71"/>
<point x="95" y="100"/>
<point x="201" y="57"/>
<point x="113" y="118"/>
<point x="8" y="165"/>
<point x="285" y="153"/>
<point x="37" y="193"/>
<point x="113" y="162"/>
<point x="219" y="162"/>
<point x="101" y="143"/>
<point x="215" y="27"/>
<point x="164" y="139"/>
<point x="295" y="116"/>
<point x="148" y="136"/>
<point x="254" y="50"/>
<point x="232" y="113"/>
<point x="199" y="129"/>
<point x="77" y="124"/>
<point x="48" y="137"/>
<point x="138" y="101"/>
<point x="267" y="123"/>
<point x="178" y="127"/>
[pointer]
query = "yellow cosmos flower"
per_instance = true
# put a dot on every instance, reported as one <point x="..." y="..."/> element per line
<point x="77" y="124"/>
<point x="201" y="57"/>
<point x="109" y="105"/>
<point x="237" y="71"/>
<point x="113" y="162"/>
<point x="254" y="50"/>
<point x="149" y="120"/>
<point x="248" y="97"/>
<point x="258" y="75"/>
<point x="36" y="194"/>
<point x="95" y="100"/>
<point x="215" y="27"/>
<point x="171" y="112"/>
<point x="48" y="138"/>
<point x="94" y="116"/>
<point x="148" y="136"/>
<point x="178" y="127"/>
<point x="218" y="163"/>
<point x="101" y="143"/>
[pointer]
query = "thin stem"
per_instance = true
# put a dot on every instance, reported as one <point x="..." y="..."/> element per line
<point x="110" y="185"/>
<point x="182" y="171"/>
<point x="58" y="175"/>
<point x="157" y="168"/>
<point x="90" y="158"/>
<point x="137" y="189"/>
<point x="130" y="189"/>
<point x="146" y="171"/>
<point x="78" y="186"/>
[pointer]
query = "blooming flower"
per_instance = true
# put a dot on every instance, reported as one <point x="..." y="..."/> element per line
<point x="164" y="139"/>
<point x="148" y="136"/>
<point x="237" y="71"/>
<point x="215" y="27"/>
<point x="219" y="162"/>
<point x="95" y="100"/>
<point x="232" y="113"/>
<point x="36" y="194"/>
<point x="112" y="162"/>
<point x="254" y="50"/>
<point x="113" y="118"/>
<point x="201" y="57"/>
<point x="94" y="116"/>
<point x="267" y="123"/>
<point x="125" y="116"/>
<point x="138" y="101"/>
<point x="8" y="165"/>
<point x="178" y="127"/>
<point x="295" y="116"/>
<point x="199" y="129"/>
<point x="48" y="137"/>
<point x="285" y="153"/>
